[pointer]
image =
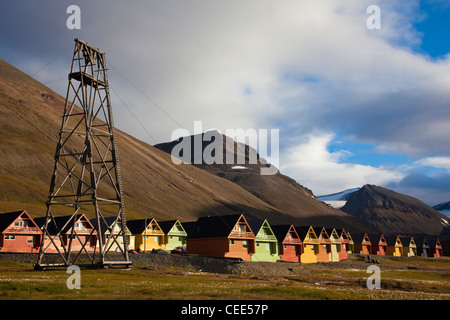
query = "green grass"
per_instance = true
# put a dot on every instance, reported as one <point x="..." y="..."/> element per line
<point x="318" y="282"/>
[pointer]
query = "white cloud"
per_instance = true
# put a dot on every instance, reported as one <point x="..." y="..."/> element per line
<point x="326" y="172"/>
<point x="437" y="162"/>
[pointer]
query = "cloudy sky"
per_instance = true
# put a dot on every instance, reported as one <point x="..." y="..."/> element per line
<point x="354" y="105"/>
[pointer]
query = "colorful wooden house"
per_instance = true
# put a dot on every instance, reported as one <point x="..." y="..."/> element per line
<point x="409" y="246"/>
<point x="266" y="243"/>
<point x="336" y="245"/>
<point x="289" y="243"/>
<point x="108" y="225"/>
<point x="222" y="236"/>
<point x="75" y="231"/>
<point x="378" y="244"/>
<point x="394" y="246"/>
<point x="362" y="243"/>
<point x="435" y="247"/>
<point x="352" y="243"/>
<point x="174" y="234"/>
<point x="310" y="241"/>
<point x="423" y="248"/>
<point x="324" y="244"/>
<point x="147" y="234"/>
<point x="19" y="233"/>
<point x="345" y="241"/>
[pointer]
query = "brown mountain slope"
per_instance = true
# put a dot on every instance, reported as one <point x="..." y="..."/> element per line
<point x="278" y="190"/>
<point x="393" y="212"/>
<point x="30" y="118"/>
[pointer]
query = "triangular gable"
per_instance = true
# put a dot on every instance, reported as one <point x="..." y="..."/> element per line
<point x="349" y="236"/>
<point x="292" y="234"/>
<point x="241" y="227"/>
<point x="144" y="227"/>
<point x="262" y="230"/>
<point x="172" y="227"/>
<point x="107" y="223"/>
<point x="321" y="234"/>
<point x="307" y="234"/>
<point x="82" y="219"/>
<point x="342" y="234"/>
<point x="333" y="235"/>
<point x="8" y="219"/>
<point x="382" y="240"/>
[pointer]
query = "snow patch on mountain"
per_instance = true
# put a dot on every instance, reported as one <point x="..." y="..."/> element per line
<point x="339" y="199"/>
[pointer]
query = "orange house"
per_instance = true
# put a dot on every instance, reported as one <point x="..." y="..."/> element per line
<point x="362" y="243"/>
<point x="343" y="254"/>
<point x="324" y="244"/>
<point x="19" y="233"/>
<point x="289" y="243"/>
<point x="221" y="236"/>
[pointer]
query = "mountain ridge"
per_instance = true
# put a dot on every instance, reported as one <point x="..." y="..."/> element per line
<point x="393" y="212"/>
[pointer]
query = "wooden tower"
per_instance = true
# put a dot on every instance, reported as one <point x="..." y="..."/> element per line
<point x="86" y="177"/>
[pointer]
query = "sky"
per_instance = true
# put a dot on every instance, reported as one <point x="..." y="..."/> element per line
<point x="353" y="105"/>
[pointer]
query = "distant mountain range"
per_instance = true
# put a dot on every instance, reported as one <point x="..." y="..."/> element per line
<point x="443" y="208"/>
<point x="393" y="212"/>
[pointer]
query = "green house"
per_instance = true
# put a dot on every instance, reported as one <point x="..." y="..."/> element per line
<point x="352" y="244"/>
<point x="266" y="244"/>
<point x="174" y="234"/>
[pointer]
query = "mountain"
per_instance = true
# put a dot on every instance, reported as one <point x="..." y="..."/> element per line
<point x="277" y="190"/>
<point x="339" y="199"/>
<point x="392" y="212"/>
<point x="30" y="119"/>
<point x="443" y="208"/>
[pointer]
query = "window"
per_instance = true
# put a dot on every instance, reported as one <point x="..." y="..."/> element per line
<point x="232" y="241"/>
<point x="244" y="243"/>
<point x="30" y="239"/>
<point x="17" y="223"/>
<point x="10" y="237"/>
<point x="25" y="223"/>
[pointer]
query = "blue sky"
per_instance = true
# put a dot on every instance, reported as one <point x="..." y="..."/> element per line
<point x="434" y="28"/>
<point x="353" y="105"/>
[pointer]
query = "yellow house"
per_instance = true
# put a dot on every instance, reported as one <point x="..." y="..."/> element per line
<point x="409" y="247"/>
<point x="394" y="246"/>
<point x="147" y="234"/>
<point x="310" y="244"/>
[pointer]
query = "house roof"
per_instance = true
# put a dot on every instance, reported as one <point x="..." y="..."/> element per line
<point x="359" y="237"/>
<point x="6" y="219"/>
<point x="61" y="222"/>
<point x="214" y="226"/>
<point x="167" y="225"/>
<point x="138" y="226"/>
<point x="281" y="231"/>
<point x="104" y="227"/>
<point x="391" y="240"/>
<point x="256" y="225"/>
<point x="342" y="233"/>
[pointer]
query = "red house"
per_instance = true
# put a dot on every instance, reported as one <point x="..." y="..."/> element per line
<point x="289" y="242"/>
<point x="19" y="233"/>
<point x="343" y="254"/>
<point x="75" y="230"/>
<point x="435" y="247"/>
